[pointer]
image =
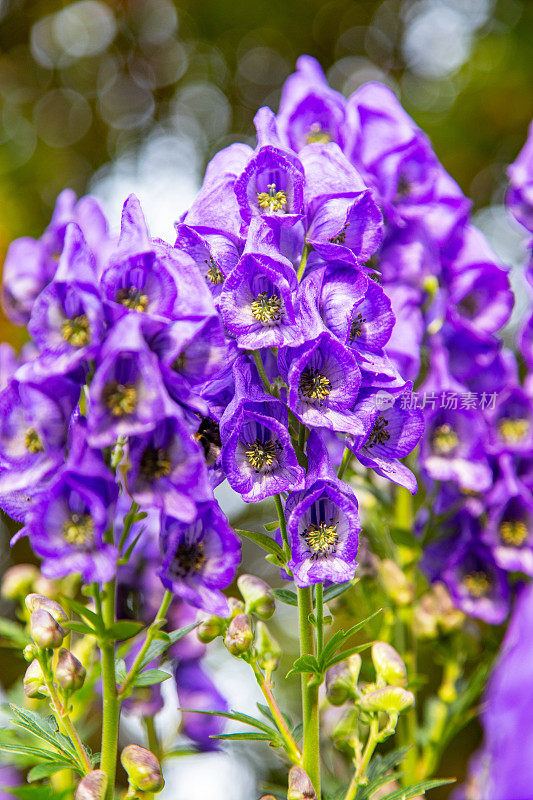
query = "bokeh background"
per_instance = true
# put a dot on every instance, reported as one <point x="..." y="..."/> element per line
<point x="113" y="97"/>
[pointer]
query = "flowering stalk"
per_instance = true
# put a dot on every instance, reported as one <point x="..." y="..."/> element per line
<point x="110" y="700"/>
<point x="150" y="634"/>
<point x="309" y="686"/>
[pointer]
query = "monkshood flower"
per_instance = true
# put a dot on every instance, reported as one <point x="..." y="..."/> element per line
<point x="31" y="263"/>
<point x="404" y="345"/>
<point x="126" y="396"/>
<point x="511" y="422"/>
<point x="323" y="379"/>
<point x="408" y="256"/>
<point x="214" y="253"/>
<point x="200" y="559"/>
<point x="525" y="341"/>
<point x="310" y="111"/>
<point x="247" y="391"/>
<point x="475" y="582"/>
<point x="67" y="319"/>
<point x="322" y="523"/>
<point x="395" y="433"/>
<point x="168" y="470"/>
<point x="258" y="458"/>
<point x="196" y="690"/>
<point x="519" y="197"/>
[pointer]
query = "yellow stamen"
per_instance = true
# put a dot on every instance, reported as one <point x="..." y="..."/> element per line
<point x="79" y="529"/>
<point x="267" y="310"/>
<point x="513" y="532"/>
<point x="513" y="430"/>
<point x="120" y="398"/>
<point x="76" y="331"/>
<point x="444" y="439"/>
<point x="33" y="442"/>
<point x="272" y="200"/>
<point x="314" y="385"/>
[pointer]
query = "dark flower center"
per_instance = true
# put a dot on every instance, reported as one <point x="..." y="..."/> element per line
<point x="180" y="362"/>
<point x="76" y="331"/>
<point x="208" y="435"/>
<point x="513" y="532"/>
<point x="263" y="455"/>
<point x="189" y="558"/>
<point x="33" y="442"/>
<point x="403" y="188"/>
<point x="272" y="200"/>
<point x="155" y="463"/>
<point x="513" y="430"/>
<point x="444" y="440"/>
<point x="469" y="305"/>
<point x="120" y="398"/>
<point x="79" y="529"/>
<point x="340" y="238"/>
<point x="214" y="274"/>
<point x="314" y="385"/>
<point x="379" y="433"/>
<point x="321" y="538"/>
<point x="267" y="309"/>
<point x="317" y="135"/>
<point x="356" y="328"/>
<point x="477" y="583"/>
<point x="132" y="298"/>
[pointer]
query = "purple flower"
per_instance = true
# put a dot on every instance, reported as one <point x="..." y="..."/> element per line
<point x="168" y="470"/>
<point x="395" y="433"/>
<point x="214" y="253"/>
<point x="200" y="559"/>
<point x="323" y="380"/>
<point x="406" y="337"/>
<point x="509" y="530"/>
<point x="520" y="193"/>
<point x="511" y="422"/>
<point x="322" y="524"/>
<point x="257" y="456"/>
<point x="476" y="584"/>
<point x="310" y="111"/>
<point x="197" y="691"/>
<point x="126" y="396"/>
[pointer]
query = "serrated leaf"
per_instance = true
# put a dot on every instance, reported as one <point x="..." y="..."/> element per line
<point x="408" y="792"/>
<point x="306" y="663"/>
<point x="121" y="672"/>
<point x="339" y="638"/>
<point x="336" y="591"/>
<point x="265" y="542"/>
<point x="248" y="736"/>
<point x="124" y="629"/>
<point x="40" y="727"/>
<point x="47" y="769"/>
<point x="82" y="611"/>
<point x="79" y="627"/>
<point x="236" y="716"/>
<point x="14" y="633"/>
<point x="151" y="676"/>
<point x="158" y="647"/>
<point x="285" y="596"/>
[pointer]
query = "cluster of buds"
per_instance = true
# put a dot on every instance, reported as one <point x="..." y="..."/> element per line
<point x="387" y="694"/>
<point x="436" y="614"/>
<point x="243" y="630"/>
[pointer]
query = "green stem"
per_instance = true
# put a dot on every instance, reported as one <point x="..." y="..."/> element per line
<point x="290" y="745"/>
<point x="303" y="262"/>
<point x="319" y="618"/>
<point x="359" y="776"/>
<point x="282" y="525"/>
<point x="151" y="632"/>
<point x="311" y="754"/>
<point x="111" y="702"/>
<point x="347" y="457"/>
<point x="261" y="370"/>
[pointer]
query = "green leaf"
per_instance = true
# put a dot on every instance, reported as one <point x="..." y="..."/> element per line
<point x="265" y="542"/>
<point x="344" y="654"/>
<point x="406" y="793"/>
<point x="159" y="646"/>
<point x="47" y="769"/>
<point x="340" y="638"/>
<point x="82" y="611"/>
<point x="79" y="627"/>
<point x="405" y="538"/>
<point x="23" y="750"/>
<point x="120" y="670"/>
<point x="335" y="591"/>
<point x="267" y="713"/>
<point x="14" y="633"/>
<point x="271" y="526"/>
<point x="255" y="736"/>
<point x="124" y="629"/>
<point x="40" y="792"/>
<point x="285" y="596"/>
<point x="41" y="728"/>
<point x="151" y="676"/>
<point x="236" y="716"/>
<point x="306" y="663"/>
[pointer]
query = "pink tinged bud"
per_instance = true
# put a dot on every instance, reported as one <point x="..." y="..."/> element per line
<point x="92" y="787"/>
<point x="209" y="628"/>
<point x="235" y="607"/>
<point x="69" y="672"/>
<point x="267" y="648"/>
<point x="35" y="601"/>
<point x="257" y="595"/>
<point x="239" y="636"/>
<point x="388" y="664"/>
<point x="33" y="680"/>
<point x="30" y="652"/>
<point x="143" y="768"/>
<point x="18" y="581"/>
<point x="300" y="786"/>
<point x="341" y="680"/>
<point x="44" y="630"/>
<point x="392" y="699"/>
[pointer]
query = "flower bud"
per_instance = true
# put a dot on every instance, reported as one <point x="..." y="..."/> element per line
<point x="392" y="699"/>
<point x="239" y="636"/>
<point x="18" y="581"/>
<point x="44" y="630"/>
<point x="143" y="768"/>
<point x="267" y="797"/>
<point x="388" y="664"/>
<point x="341" y="680"/>
<point x="69" y="672"/>
<point x="235" y="607"/>
<point x="257" y="595"/>
<point x="209" y="628"/>
<point x="36" y="601"/>
<point x="33" y="680"/>
<point x="93" y="786"/>
<point x="300" y="786"/>
<point x="30" y="652"/>
<point x="396" y="585"/>
<point x="267" y="648"/>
